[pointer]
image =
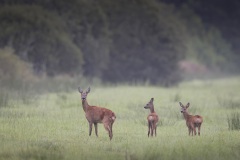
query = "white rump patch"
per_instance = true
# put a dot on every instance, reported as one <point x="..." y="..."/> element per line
<point x="151" y="118"/>
<point x="198" y="120"/>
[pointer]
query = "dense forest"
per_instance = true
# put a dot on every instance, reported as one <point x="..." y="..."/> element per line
<point x="117" y="41"/>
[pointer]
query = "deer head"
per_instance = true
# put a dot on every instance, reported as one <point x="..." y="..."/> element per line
<point x="84" y="94"/>
<point x="184" y="108"/>
<point x="149" y="104"/>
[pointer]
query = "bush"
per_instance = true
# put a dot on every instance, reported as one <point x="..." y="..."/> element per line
<point x="13" y="71"/>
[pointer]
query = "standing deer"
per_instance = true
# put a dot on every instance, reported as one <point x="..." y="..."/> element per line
<point x="152" y="118"/>
<point x="96" y="115"/>
<point x="191" y="121"/>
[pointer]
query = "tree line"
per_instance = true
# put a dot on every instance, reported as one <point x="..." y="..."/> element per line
<point x="115" y="41"/>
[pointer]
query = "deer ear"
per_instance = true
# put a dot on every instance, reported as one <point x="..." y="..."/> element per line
<point x="152" y="99"/>
<point x="188" y="104"/>
<point x="80" y="90"/>
<point x="88" y="90"/>
<point x="180" y="103"/>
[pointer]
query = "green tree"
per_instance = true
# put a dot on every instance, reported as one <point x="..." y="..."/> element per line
<point x="13" y="70"/>
<point x="40" y="37"/>
<point x="145" y="43"/>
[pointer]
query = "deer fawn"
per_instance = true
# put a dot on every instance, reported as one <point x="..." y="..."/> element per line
<point x="191" y="121"/>
<point x="96" y="115"/>
<point x="152" y="118"/>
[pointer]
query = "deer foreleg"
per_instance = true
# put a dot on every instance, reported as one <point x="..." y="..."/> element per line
<point x="189" y="131"/>
<point x="90" y="129"/>
<point x="192" y="129"/>
<point x="96" y="129"/>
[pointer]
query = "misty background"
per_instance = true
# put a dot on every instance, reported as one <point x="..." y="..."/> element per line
<point x="157" y="42"/>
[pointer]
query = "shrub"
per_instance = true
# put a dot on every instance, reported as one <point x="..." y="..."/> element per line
<point x="13" y="71"/>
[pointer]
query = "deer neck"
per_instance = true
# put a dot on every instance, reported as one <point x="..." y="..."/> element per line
<point x="85" y="105"/>
<point x="152" y="109"/>
<point x="186" y="115"/>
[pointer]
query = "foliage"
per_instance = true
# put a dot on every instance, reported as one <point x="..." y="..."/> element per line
<point x="13" y="70"/>
<point x="114" y="41"/>
<point x="40" y="38"/>
<point x="206" y="46"/>
<point x="221" y="22"/>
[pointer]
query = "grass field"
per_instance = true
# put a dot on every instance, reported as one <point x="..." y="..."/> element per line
<point x="53" y="126"/>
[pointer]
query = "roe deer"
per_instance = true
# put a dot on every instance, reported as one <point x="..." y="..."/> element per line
<point x="96" y="115"/>
<point x="152" y="118"/>
<point x="191" y="121"/>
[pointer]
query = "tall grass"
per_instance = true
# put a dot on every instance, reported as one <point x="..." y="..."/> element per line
<point x="4" y="99"/>
<point x="53" y="125"/>
<point x="234" y="121"/>
<point x="230" y="102"/>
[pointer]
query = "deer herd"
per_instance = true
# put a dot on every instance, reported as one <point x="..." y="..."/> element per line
<point x="95" y="115"/>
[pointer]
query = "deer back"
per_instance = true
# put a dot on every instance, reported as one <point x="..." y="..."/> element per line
<point x="99" y="115"/>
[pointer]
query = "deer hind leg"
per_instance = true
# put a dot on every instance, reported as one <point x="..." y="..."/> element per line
<point x="149" y="127"/>
<point x="90" y="129"/>
<point x="96" y="129"/>
<point x="152" y="128"/>
<point x="155" y="128"/>
<point x="199" y="128"/>
<point x="108" y="128"/>
<point x="111" y="132"/>
<point x="194" y="130"/>
<point x="111" y="125"/>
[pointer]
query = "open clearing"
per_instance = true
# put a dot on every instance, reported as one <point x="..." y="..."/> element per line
<point x="53" y="126"/>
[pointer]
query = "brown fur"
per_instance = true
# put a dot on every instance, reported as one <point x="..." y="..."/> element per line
<point x="152" y="118"/>
<point x="192" y="122"/>
<point x="95" y="115"/>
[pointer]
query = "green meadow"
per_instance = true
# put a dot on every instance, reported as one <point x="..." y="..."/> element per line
<point x="52" y="126"/>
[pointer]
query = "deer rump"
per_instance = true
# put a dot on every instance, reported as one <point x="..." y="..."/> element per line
<point x="152" y="119"/>
<point x="196" y="121"/>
